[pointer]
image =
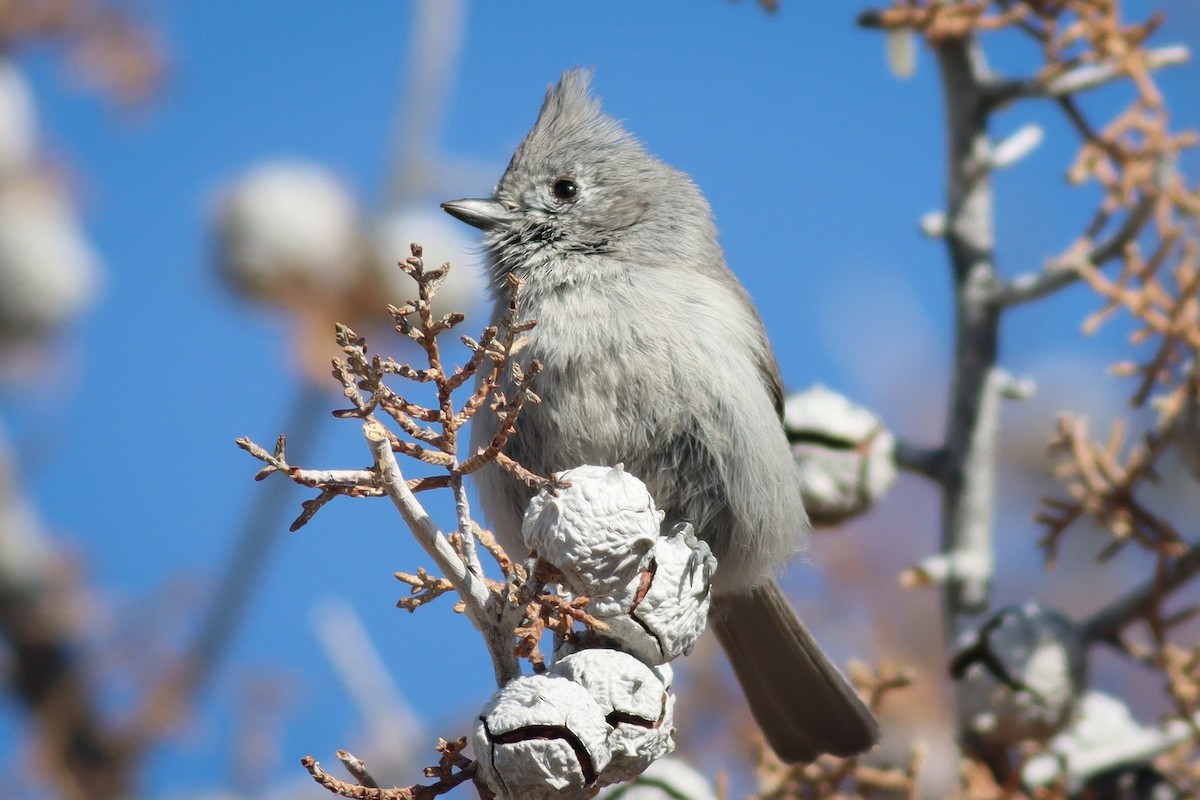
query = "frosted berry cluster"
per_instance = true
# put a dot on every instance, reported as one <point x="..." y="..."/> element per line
<point x="603" y="712"/>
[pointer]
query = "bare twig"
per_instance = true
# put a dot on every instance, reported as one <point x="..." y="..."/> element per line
<point x="1107" y="623"/>
<point x="1054" y="83"/>
<point x="436" y="38"/>
<point x="424" y="588"/>
<point x="454" y="769"/>
<point x="394" y="732"/>
<point x="1068" y="268"/>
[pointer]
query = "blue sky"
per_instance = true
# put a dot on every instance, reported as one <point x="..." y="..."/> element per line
<point x="817" y="163"/>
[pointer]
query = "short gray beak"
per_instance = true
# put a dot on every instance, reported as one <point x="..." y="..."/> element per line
<point x="484" y="214"/>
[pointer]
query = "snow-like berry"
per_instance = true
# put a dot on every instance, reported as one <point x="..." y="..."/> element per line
<point x="598" y="532"/>
<point x="845" y="456"/>
<point x="48" y="270"/>
<point x="1019" y="675"/>
<point x="636" y="703"/>
<point x="288" y="230"/>
<point x="541" y="736"/>
<point x="671" y="598"/>
<point x="1101" y="733"/>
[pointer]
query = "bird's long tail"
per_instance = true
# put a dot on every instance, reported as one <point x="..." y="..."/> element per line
<point x="804" y="705"/>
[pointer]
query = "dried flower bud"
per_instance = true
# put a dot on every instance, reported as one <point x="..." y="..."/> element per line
<point x="599" y="533"/>
<point x="671" y="598"/>
<point x="845" y="456"/>
<point x="636" y="704"/>
<point x="288" y="232"/>
<point x="541" y="736"/>
<point x="1019" y="675"/>
<point x="665" y="779"/>
<point x="48" y="270"/>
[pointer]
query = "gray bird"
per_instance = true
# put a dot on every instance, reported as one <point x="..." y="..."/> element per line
<point x="655" y="357"/>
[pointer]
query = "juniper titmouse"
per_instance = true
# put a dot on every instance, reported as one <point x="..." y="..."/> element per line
<point x="654" y="356"/>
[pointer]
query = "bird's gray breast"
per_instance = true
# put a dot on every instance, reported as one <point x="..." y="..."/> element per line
<point x="607" y="388"/>
<point x="618" y="384"/>
<point x="658" y="370"/>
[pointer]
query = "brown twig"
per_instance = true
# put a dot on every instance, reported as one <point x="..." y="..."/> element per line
<point x="452" y="770"/>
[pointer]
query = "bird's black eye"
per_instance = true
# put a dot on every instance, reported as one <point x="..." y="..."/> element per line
<point x="565" y="189"/>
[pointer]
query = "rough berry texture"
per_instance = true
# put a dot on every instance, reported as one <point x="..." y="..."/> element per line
<point x="845" y="456"/>
<point x="541" y="736"/>
<point x="636" y="704"/>
<point x="599" y="532"/>
<point x="671" y="600"/>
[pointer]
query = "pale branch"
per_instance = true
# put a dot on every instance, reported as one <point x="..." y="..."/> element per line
<point x="466" y="526"/>
<point x="972" y="423"/>
<point x="415" y="163"/>
<point x="348" y="479"/>
<point x="471" y="586"/>
<point x="395" y="731"/>
<point x="1078" y="79"/>
<point x="1065" y="270"/>
<point x="1016" y="146"/>
<point x="1107" y="623"/>
<point x="357" y="768"/>
<point x="331" y="482"/>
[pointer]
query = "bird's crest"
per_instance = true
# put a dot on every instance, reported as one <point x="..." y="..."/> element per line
<point x="572" y="122"/>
